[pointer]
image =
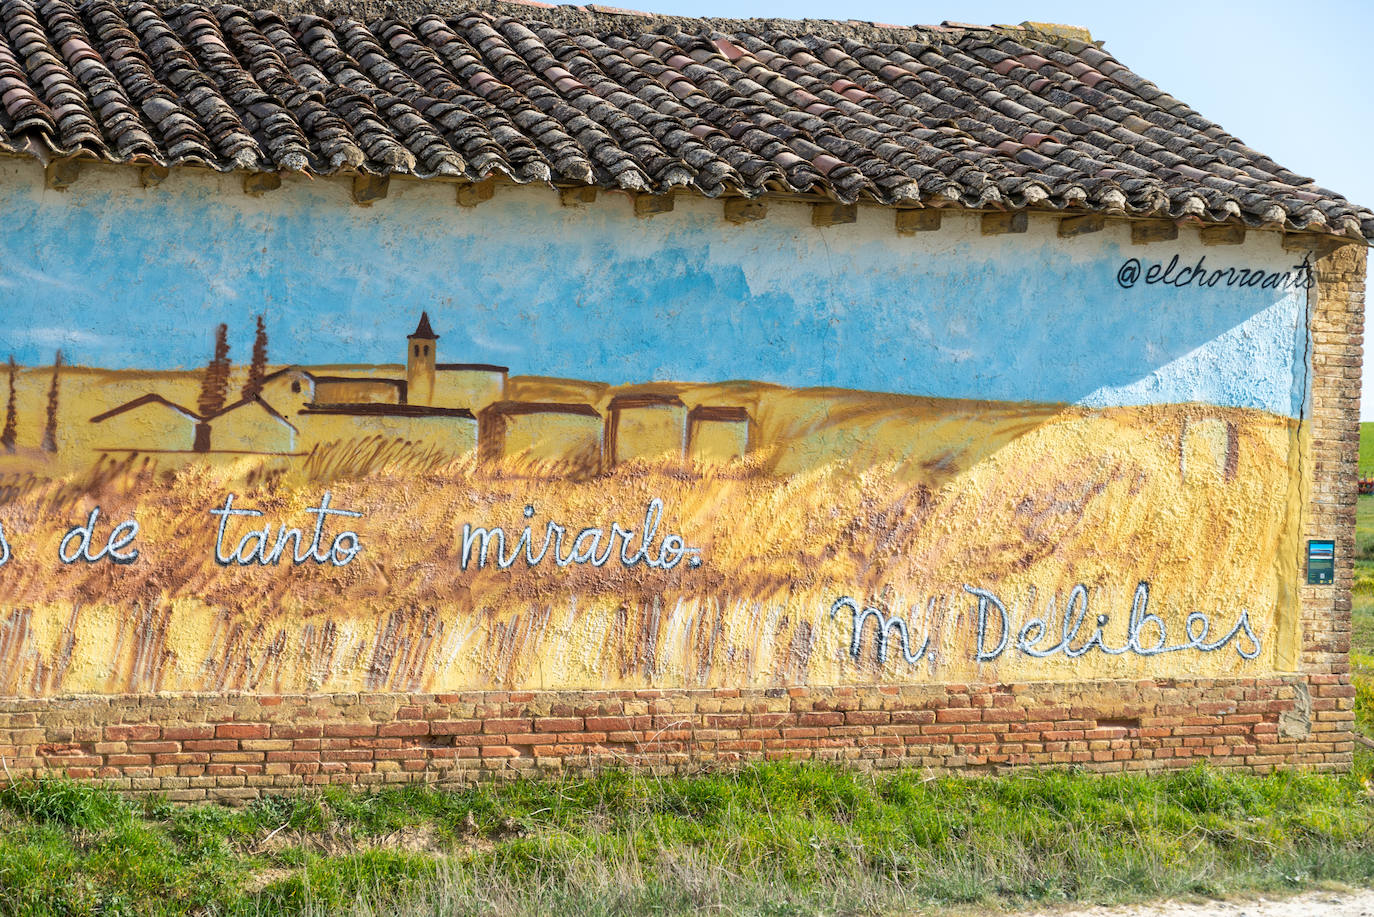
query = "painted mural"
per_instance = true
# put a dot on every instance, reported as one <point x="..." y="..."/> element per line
<point x="291" y="445"/>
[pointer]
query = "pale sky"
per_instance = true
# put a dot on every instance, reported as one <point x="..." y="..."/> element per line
<point x="1289" y="79"/>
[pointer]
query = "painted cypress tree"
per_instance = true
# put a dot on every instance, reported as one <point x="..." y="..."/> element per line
<point x="214" y="385"/>
<point x="257" y="370"/>
<point x="11" y="434"/>
<point x="50" y="429"/>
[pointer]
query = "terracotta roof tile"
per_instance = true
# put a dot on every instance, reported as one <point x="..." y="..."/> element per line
<point x="1000" y="117"/>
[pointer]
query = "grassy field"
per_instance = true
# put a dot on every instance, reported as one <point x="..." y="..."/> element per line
<point x="1362" y="612"/>
<point x="771" y="840"/>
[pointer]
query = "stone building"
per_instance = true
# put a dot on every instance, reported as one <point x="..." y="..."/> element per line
<point x="1046" y="388"/>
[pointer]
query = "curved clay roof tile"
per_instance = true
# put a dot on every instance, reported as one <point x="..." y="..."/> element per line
<point x="1004" y="116"/>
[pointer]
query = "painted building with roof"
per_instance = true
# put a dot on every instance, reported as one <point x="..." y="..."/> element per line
<point x="149" y="423"/>
<point x="718" y="433"/>
<point x="645" y="425"/>
<point x="290" y="389"/>
<point x="297" y="408"/>
<point x="432" y="406"/>
<point x="450" y="430"/>
<point x="565" y="438"/>
<point x="1018" y="399"/>
<point x="251" y="425"/>
<point x="472" y="385"/>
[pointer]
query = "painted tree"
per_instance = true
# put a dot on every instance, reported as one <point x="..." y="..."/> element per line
<point x="50" y="429"/>
<point x="257" y="370"/>
<point x="214" y="385"/>
<point x="11" y="434"/>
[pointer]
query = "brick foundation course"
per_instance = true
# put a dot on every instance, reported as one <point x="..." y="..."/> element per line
<point x="237" y="747"/>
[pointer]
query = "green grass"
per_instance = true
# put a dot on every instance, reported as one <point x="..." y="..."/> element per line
<point x="1366" y="450"/>
<point x="1362" y="609"/>
<point x="773" y="839"/>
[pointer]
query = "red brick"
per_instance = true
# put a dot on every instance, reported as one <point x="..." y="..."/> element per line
<point x="132" y="731"/>
<point x="557" y="724"/>
<point x="154" y="748"/>
<point x="180" y="733"/>
<point x="210" y="745"/>
<point x="608" y="723"/>
<point x="498" y="726"/>
<point x="297" y="730"/>
<point x="455" y="727"/>
<point x="955" y="715"/>
<point x="242" y="731"/>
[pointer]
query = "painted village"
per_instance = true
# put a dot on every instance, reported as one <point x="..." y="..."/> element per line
<point x="349" y="416"/>
<point x="464" y="407"/>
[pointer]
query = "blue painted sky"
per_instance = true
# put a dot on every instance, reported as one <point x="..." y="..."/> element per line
<point x="141" y="279"/>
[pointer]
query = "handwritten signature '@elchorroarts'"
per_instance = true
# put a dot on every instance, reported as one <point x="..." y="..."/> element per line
<point x="1135" y="271"/>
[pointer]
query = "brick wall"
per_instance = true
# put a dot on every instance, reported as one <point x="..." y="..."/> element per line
<point x="237" y="747"/>
<point x="1334" y="434"/>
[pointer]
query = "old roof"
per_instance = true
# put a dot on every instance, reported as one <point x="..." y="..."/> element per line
<point x="720" y="412"/>
<point x="471" y="368"/>
<point x="644" y="400"/>
<point x="423" y="330"/>
<point x="987" y="118"/>
<point x="373" y="409"/>
<point x="516" y="408"/>
<point x="154" y="398"/>
<point x="150" y="398"/>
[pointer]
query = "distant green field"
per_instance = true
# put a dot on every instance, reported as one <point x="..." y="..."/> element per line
<point x="1362" y="611"/>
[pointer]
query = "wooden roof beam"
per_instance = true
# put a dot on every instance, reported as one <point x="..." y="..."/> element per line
<point x="744" y="210"/>
<point x="910" y="222"/>
<point x="152" y="175"/>
<point x="647" y="205"/>
<point x="831" y="213"/>
<point x="1316" y="244"/>
<point x="995" y="224"/>
<point x="576" y="197"/>
<point x="1225" y="234"/>
<point x="470" y="194"/>
<point x="61" y="174"/>
<point x="367" y="189"/>
<point x="1143" y="232"/>
<point x="256" y="184"/>
<point x="1081" y="225"/>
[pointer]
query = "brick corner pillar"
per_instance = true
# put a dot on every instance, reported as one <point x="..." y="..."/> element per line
<point x="1322" y="717"/>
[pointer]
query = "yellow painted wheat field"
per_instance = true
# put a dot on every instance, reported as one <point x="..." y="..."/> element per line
<point x="898" y="503"/>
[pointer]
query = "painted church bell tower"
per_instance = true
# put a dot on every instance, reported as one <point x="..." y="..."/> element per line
<point x="420" y="359"/>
